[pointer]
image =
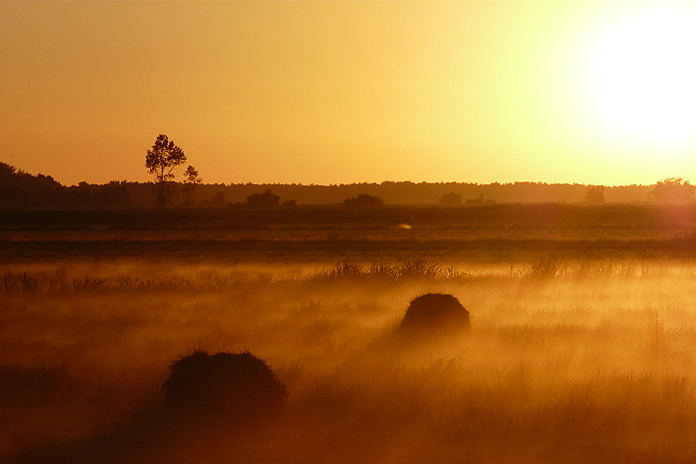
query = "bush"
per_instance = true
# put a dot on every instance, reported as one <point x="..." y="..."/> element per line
<point x="236" y="387"/>
<point x="363" y="200"/>
<point x="267" y="199"/>
<point x="435" y="313"/>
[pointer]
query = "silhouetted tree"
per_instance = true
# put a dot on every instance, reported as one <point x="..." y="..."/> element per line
<point x="672" y="190"/>
<point x="161" y="161"/>
<point x="12" y="191"/>
<point x="7" y="171"/>
<point x="266" y="199"/>
<point x="363" y="200"/>
<point x="191" y="181"/>
<point x="20" y="190"/>
<point x="451" y="199"/>
<point x="594" y="195"/>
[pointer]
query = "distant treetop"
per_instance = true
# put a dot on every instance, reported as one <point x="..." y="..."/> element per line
<point x="160" y="161"/>
<point x="673" y="190"/>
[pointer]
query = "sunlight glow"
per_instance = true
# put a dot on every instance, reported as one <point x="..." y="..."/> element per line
<point x="644" y="77"/>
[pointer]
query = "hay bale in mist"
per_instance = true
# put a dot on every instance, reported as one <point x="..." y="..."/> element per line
<point x="236" y="387"/>
<point x="435" y="314"/>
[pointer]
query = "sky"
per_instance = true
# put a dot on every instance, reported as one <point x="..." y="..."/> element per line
<point x="328" y="92"/>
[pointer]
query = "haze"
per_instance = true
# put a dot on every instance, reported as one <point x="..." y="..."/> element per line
<point x="340" y="92"/>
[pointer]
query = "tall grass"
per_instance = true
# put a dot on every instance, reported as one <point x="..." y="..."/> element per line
<point x="586" y="362"/>
<point x="133" y="275"/>
<point x="418" y="268"/>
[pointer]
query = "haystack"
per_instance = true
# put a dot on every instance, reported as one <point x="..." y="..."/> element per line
<point x="435" y="313"/>
<point x="239" y="387"/>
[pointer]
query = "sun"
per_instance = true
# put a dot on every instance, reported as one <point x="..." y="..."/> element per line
<point x="643" y="77"/>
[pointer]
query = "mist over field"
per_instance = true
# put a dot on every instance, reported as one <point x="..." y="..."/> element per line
<point x="347" y="232"/>
<point x="581" y="347"/>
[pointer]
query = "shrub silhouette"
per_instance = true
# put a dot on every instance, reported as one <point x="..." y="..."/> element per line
<point x="267" y="199"/>
<point x="364" y="200"/>
<point x="239" y="388"/>
<point x="435" y="314"/>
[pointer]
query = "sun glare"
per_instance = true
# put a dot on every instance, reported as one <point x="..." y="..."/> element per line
<point x="644" y="77"/>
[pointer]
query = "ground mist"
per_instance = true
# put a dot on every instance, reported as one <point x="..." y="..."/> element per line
<point x="586" y="361"/>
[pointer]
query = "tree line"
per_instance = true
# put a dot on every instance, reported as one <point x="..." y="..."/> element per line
<point x="21" y="190"/>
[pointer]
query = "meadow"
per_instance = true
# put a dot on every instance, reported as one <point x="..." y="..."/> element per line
<point x="582" y="347"/>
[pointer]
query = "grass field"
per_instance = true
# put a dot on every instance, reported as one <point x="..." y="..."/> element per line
<point x="582" y="353"/>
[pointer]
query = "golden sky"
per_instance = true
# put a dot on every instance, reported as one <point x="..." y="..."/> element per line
<point x="347" y="91"/>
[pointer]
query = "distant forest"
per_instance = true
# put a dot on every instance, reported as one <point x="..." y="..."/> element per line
<point x="20" y="190"/>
